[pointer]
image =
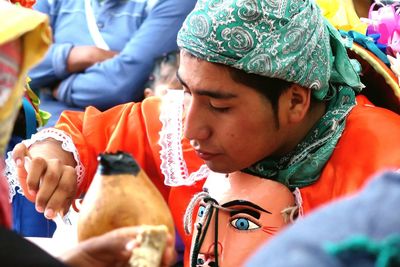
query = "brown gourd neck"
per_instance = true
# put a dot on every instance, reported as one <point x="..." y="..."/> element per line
<point x="117" y="163"/>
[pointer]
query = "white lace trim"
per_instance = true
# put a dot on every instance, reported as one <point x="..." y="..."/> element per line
<point x="173" y="165"/>
<point x="67" y="145"/>
<point x="299" y="201"/>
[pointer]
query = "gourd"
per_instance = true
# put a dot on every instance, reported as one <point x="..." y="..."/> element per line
<point x="121" y="194"/>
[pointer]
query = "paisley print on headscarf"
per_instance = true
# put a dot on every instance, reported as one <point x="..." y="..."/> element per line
<point x="289" y="40"/>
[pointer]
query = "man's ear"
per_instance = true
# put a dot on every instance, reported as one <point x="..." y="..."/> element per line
<point x="297" y="101"/>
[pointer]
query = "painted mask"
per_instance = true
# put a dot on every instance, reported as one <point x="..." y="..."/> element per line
<point x="236" y="214"/>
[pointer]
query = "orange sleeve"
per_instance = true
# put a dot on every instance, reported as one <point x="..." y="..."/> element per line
<point x="132" y="127"/>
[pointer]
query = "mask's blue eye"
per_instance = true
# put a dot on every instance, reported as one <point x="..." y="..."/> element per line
<point x="200" y="213"/>
<point x="244" y="224"/>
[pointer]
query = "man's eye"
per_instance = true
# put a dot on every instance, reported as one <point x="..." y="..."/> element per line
<point x="219" y="109"/>
<point x="244" y="224"/>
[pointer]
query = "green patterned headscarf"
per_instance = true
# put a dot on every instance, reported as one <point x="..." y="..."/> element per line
<point x="289" y="40"/>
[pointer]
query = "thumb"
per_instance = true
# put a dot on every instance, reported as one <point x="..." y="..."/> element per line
<point x="22" y="162"/>
<point x="18" y="154"/>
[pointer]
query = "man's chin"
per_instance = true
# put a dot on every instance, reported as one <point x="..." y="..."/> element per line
<point x="220" y="167"/>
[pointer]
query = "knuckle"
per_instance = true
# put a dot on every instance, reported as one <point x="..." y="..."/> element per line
<point x="65" y="188"/>
<point x="55" y="162"/>
<point x="70" y="174"/>
<point x="51" y="177"/>
<point x="38" y="162"/>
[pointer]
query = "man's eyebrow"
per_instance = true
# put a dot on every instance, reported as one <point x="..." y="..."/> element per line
<point x="204" y="92"/>
<point x="239" y="202"/>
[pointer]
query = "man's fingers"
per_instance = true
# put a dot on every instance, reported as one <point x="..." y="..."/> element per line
<point x="62" y="196"/>
<point x="36" y="168"/>
<point x="48" y="185"/>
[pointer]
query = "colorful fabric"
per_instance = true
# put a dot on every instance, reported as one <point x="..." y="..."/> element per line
<point x="342" y="15"/>
<point x="274" y="39"/>
<point x="42" y="116"/>
<point x="366" y="42"/>
<point x="386" y="252"/>
<point x="32" y="28"/>
<point x="24" y="3"/>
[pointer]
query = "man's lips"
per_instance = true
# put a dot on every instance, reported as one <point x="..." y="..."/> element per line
<point x="204" y="155"/>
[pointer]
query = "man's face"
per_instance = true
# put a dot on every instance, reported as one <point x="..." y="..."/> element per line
<point x="256" y="214"/>
<point x="230" y="125"/>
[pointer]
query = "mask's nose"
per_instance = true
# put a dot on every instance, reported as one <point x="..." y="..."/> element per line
<point x="206" y="261"/>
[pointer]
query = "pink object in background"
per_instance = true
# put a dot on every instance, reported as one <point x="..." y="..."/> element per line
<point x="383" y="21"/>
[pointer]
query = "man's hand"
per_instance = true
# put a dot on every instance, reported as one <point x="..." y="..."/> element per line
<point x="82" y="57"/>
<point x="111" y="249"/>
<point x="47" y="176"/>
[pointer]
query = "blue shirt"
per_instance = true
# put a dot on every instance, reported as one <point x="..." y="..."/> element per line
<point x="139" y="31"/>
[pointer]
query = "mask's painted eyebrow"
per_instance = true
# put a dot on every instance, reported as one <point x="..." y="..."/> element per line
<point x="239" y="202"/>
<point x="250" y="212"/>
<point x="203" y="92"/>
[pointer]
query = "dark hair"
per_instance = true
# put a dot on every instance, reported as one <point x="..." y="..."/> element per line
<point x="161" y="64"/>
<point x="271" y="88"/>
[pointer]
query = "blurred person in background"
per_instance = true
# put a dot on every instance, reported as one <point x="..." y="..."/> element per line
<point x="103" y="50"/>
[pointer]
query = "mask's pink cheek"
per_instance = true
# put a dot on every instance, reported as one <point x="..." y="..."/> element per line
<point x="271" y="230"/>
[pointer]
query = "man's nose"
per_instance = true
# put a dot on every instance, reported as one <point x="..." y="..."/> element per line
<point x="196" y="123"/>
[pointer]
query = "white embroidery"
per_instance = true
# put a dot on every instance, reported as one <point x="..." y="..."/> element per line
<point x="173" y="165"/>
<point x="67" y="145"/>
<point x="299" y="201"/>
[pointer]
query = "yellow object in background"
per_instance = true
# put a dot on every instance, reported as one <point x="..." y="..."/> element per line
<point x="33" y="30"/>
<point x="342" y="15"/>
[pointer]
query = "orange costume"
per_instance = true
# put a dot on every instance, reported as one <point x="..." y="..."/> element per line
<point x="135" y="128"/>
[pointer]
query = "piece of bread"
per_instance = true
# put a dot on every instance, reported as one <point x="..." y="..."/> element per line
<point x="152" y="241"/>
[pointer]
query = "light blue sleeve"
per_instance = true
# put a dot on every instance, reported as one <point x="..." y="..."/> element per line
<point x="53" y="67"/>
<point x="121" y="79"/>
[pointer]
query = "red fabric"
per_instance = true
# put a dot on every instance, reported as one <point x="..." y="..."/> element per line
<point x="24" y="3"/>
<point x="5" y="208"/>
<point x="134" y="128"/>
